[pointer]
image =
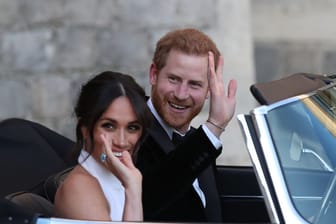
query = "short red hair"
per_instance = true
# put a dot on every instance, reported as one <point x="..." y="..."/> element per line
<point x="189" y="41"/>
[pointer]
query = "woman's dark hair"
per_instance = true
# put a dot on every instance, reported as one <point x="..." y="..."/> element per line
<point x="97" y="95"/>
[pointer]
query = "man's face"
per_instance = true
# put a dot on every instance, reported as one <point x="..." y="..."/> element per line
<point x="180" y="88"/>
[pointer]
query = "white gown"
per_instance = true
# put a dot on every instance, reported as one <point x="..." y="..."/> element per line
<point x="111" y="186"/>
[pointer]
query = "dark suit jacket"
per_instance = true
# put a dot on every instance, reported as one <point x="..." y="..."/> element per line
<point x="168" y="174"/>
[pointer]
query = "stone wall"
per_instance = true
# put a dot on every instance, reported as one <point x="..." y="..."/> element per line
<point x="293" y="36"/>
<point x="48" y="48"/>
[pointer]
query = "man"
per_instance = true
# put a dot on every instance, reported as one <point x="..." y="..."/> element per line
<point x="178" y="179"/>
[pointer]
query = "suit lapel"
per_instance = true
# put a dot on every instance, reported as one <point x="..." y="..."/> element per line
<point x="160" y="136"/>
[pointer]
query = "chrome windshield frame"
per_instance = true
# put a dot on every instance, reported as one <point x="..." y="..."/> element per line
<point x="272" y="162"/>
<point x="257" y="166"/>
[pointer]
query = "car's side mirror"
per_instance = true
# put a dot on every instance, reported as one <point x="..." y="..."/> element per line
<point x="296" y="151"/>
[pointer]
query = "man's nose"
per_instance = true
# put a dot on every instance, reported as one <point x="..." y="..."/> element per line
<point x="182" y="91"/>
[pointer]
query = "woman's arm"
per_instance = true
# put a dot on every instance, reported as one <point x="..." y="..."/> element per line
<point x="133" y="210"/>
<point x="80" y="197"/>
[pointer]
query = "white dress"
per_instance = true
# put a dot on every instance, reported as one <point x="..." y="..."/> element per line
<point x="113" y="190"/>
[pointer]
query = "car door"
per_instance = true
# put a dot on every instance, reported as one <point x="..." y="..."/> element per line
<point x="240" y="195"/>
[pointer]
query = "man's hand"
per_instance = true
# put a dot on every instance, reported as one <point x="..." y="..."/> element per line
<point x="222" y="105"/>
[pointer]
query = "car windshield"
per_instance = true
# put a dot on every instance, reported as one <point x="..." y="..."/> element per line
<point x="304" y="135"/>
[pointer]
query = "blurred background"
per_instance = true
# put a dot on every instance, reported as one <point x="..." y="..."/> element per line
<point x="48" y="48"/>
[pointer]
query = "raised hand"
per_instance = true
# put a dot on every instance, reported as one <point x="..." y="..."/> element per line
<point x="222" y="103"/>
<point x="122" y="167"/>
<point x="130" y="177"/>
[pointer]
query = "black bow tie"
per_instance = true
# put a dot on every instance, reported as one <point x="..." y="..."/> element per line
<point x="177" y="138"/>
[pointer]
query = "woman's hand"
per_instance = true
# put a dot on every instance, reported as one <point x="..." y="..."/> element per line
<point x="122" y="167"/>
<point x="130" y="177"/>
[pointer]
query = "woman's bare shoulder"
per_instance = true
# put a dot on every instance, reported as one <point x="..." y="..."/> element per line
<point x="79" y="177"/>
<point x="78" y="182"/>
<point x="77" y="187"/>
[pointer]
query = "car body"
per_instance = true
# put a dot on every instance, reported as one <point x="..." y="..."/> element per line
<point x="292" y="145"/>
<point x="290" y="138"/>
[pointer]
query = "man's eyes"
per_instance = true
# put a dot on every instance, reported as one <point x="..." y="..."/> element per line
<point x="195" y="84"/>
<point x="191" y="83"/>
<point x="173" y="79"/>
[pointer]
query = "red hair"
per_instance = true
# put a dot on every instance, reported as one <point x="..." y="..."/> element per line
<point x="189" y="41"/>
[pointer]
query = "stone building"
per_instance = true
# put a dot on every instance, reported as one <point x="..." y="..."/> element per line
<point x="48" y="48"/>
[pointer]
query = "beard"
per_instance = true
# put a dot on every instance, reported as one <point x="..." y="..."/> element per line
<point x="178" y="121"/>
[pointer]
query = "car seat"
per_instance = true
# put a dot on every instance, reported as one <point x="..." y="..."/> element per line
<point x="30" y="153"/>
<point x="34" y="160"/>
<point x="32" y="203"/>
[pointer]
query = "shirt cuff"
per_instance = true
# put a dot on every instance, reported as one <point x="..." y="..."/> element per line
<point x="213" y="139"/>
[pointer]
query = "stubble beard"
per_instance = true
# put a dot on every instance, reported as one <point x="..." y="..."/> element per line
<point x="179" y="123"/>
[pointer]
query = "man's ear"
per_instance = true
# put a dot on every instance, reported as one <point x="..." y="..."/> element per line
<point x="153" y="74"/>
<point x="208" y="94"/>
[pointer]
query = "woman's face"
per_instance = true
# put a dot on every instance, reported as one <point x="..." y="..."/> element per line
<point x="120" y="126"/>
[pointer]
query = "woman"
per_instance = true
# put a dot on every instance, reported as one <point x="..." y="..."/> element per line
<point x="105" y="185"/>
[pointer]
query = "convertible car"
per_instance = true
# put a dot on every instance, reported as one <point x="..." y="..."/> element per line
<point x="290" y="138"/>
